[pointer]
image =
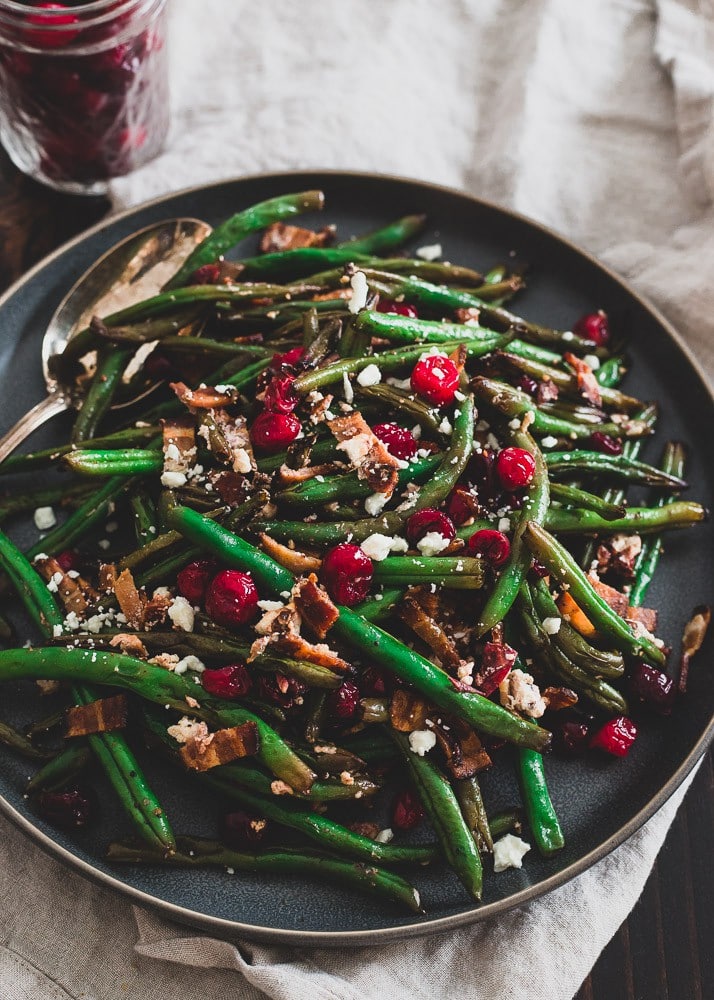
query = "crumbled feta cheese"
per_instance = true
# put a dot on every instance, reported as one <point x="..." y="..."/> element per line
<point x="71" y="622"/>
<point x="371" y="375"/>
<point x="421" y="741"/>
<point x="445" y="426"/>
<point x="593" y="361"/>
<point x="384" y="836"/>
<point x="347" y="387"/>
<point x="549" y="441"/>
<point x="270" y="605"/>
<point x="182" y="614"/>
<point x="432" y="543"/>
<point x="518" y="693"/>
<point x="400" y="383"/>
<point x="377" y="546"/>
<point x="504" y="524"/>
<point x="568" y="335"/>
<point x="508" y="852"/>
<point x="551" y="625"/>
<point x="56" y="631"/>
<point x="375" y="503"/>
<point x="95" y="623"/>
<point x="45" y="518"/>
<point x="186" y="730"/>
<point x="430" y="252"/>
<point x="515" y="423"/>
<point x="172" y="452"/>
<point x="189" y="662"/>
<point x="161" y="592"/>
<point x="360" y="291"/>
<point x="104" y="543"/>
<point x="172" y="480"/>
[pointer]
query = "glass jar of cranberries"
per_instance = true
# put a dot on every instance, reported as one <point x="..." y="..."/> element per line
<point x="83" y="88"/>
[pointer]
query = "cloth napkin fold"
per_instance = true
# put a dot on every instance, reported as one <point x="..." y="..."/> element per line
<point x="595" y="118"/>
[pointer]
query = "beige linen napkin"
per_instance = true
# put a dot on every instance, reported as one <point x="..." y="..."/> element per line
<point x="594" y="117"/>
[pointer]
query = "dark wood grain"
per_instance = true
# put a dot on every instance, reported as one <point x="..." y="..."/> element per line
<point x="665" y="950"/>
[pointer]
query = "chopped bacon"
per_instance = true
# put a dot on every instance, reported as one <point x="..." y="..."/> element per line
<point x="645" y="616"/>
<point x="469" y="315"/>
<point x="547" y="391"/>
<point x="587" y="383"/>
<point x="101" y="716"/>
<point x="107" y="577"/>
<point x="615" y="599"/>
<point x="618" y="554"/>
<point x="558" y="698"/>
<point x="430" y="632"/>
<point x="319" y="406"/>
<point x="694" y="632"/>
<point x="232" y="487"/>
<point x="463" y="750"/>
<point x="459" y="356"/>
<point x="281" y="236"/>
<point x="131" y="601"/>
<point x="221" y="747"/>
<point x="296" y="562"/>
<point x="75" y="594"/>
<point x="315" y="606"/>
<point x="288" y="476"/>
<point x="130" y="644"/>
<point x="365" y="829"/>
<point x="156" y="609"/>
<point x="179" y="443"/>
<point x="167" y="661"/>
<point x="408" y="711"/>
<point x="338" y="293"/>
<point x="206" y="398"/>
<point x="366" y="452"/>
<point x="280" y="630"/>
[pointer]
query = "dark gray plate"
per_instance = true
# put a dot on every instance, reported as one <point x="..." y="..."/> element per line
<point x="601" y="802"/>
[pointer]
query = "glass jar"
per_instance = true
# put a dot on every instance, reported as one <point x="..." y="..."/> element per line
<point x="83" y="89"/>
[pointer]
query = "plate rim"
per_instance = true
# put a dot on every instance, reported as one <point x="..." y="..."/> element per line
<point x="426" y="925"/>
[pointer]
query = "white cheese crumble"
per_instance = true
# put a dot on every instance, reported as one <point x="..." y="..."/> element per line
<point x="515" y="423"/>
<point x="445" y="426"/>
<point x="347" y="387"/>
<point x="181" y="614"/>
<point x="568" y="335"/>
<point x="360" y="291"/>
<point x="430" y="252"/>
<point x="551" y="625"/>
<point x="384" y="836"/>
<point x="518" y="693"/>
<point x="504" y="524"/>
<point x="187" y="729"/>
<point x="172" y="480"/>
<point x="432" y="543"/>
<point x="45" y="518"/>
<point x="593" y="361"/>
<point x="371" y="375"/>
<point x="421" y="741"/>
<point x="378" y="546"/>
<point x="190" y="662"/>
<point x="56" y="631"/>
<point x="508" y="852"/>
<point x="549" y="441"/>
<point x="375" y="503"/>
<point x="270" y="605"/>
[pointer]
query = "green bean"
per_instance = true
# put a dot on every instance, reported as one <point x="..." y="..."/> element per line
<point x="19" y="503"/>
<point x="451" y="572"/>
<point x="194" y="854"/>
<point x="610" y="373"/>
<point x="644" y="520"/>
<point x="144" y="510"/>
<point x="542" y="817"/>
<point x="575" y="497"/>
<point x="119" y="462"/>
<point x="622" y="467"/>
<point x="10" y="737"/>
<point x="568" y="382"/>
<point x="504" y="822"/>
<point x="468" y="792"/>
<point x="38" y="459"/>
<point x="404" y="402"/>
<point x="61" y="770"/>
<point x="437" y="796"/>
<point x="381" y="605"/>
<point x="565" y="570"/>
<point x="84" y="518"/>
<point x="98" y="398"/>
<point x="348" y="486"/>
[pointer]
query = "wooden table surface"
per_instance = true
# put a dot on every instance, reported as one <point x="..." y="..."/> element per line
<point x="665" y="949"/>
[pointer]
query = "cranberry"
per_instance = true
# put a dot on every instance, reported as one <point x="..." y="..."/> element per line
<point x="344" y="702"/>
<point x="407" y="810"/>
<point x="538" y="569"/>
<point x="68" y="809"/>
<point x="435" y="378"/>
<point x="231" y="598"/>
<point x="45" y="36"/>
<point x="491" y="544"/>
<point x="605" y="443"/>
<point x="281" y="690"/>
<point x="497" y="661"/>
<point x="240" y="830"/>
<point x="209" y="274"/>
<point x="570" y="738"/>
<point x="429" y="521"/>
<point x="462" y="504"/>
<point x="347" y="573"/>
<point x="193" y="579"/>
<point x="280" y="397"/>
<point x="515" y="468"/>
<point x="372" y="682"/>
<point x="69" y="559"/>
<point x="399" y="441"/>
<point x="527" y="384"/>
<point x="232" y="681"/>
<point x="400" y="308"/>
<point x="271" y="432"/>
<point x="595" y="327"/>
<point x="616" y="736"/>
<point x="290" y="358"/>
<point x="652" y="687"/>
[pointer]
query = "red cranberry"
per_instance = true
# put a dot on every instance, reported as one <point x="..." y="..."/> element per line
<point x="595" y="327"/>
<point x="241" y="830"/>
<point x="606" y="443"/>
<point x="429" y="520"/>
<point x="280" y="397"/>
<point x="69" y="559"/>
<point x="399" y="441"/>
<point x="571" y="738"/>
<point x="347" y="573"/>
<point x="527" y="384"/>
<point x="289" y="358"/>
<point x="209" y="274"/>
<point x="538" y="569"/>
<point x="515" y="468"/>
<point x="615" y="737"/>
<point x="492" y="545"/>
<point x="407" y="810"/>
<point x="497" y="661"/>
<point x="232" y="681"/>
<point x="45" y="36"/>
<point x="400" y="308"/>
<point x="271" y="432"/>
<point x="68" y="809"/>
<point x="344" y="702"/>
<point x="231" y="598"/>
<point x="372" y="683"/>
<point x="652" y="687"/>
<point x="435" y="378"/>
<point x="462" y="504"/>
<point x="193" y="579"/>
<point x="281" y="690"/>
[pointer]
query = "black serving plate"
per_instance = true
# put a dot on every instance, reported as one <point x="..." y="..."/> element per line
<point x="601" y="802"/>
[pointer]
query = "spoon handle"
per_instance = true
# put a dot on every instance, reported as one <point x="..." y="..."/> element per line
<point x="55" y="402"/>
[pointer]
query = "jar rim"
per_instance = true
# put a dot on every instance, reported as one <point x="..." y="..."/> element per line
<point x="96" y="14"/>
<point x="104" y="10"/>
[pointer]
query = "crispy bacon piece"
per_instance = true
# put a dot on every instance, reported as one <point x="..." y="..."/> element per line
<point x="296" y="562"/>
<point x="407" y="711"/>
<point x="280" y="630"/>
<point x="131" y="644"/>
<point x="618" y="555"/>
<point x="587" y="383"/>
<point x="288" y="476"/>
<point x="229" y="440"/>
<point x="469" y="315"/>
<point x="281" y="236"/>
<point x="692" y="639"/>
<point x="614" y="598"/>
<point x="547" y="391"/>
<point x="220" y="747"/>
<point x="430" y="632"/>
<point x="101" y="716"/>
<point x="207" y="398"/>
<point x="75" y="594"/>
<point x="365" y="829"/>
<point x="179" y="443"/>
<point x="463" y="750"/>
<point x="319" y="405"/>
<point x="558" y="698"/>
<point x="107" y="577"/>
<point x="366" y="452"/>
<point x="338" y="293"/>
<point x="645" y="616"/>
<point x="458" y="356"/>
<point x="156" y="609"/>
<point x="131" y="601"/>
<point x="315" y="606"/>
